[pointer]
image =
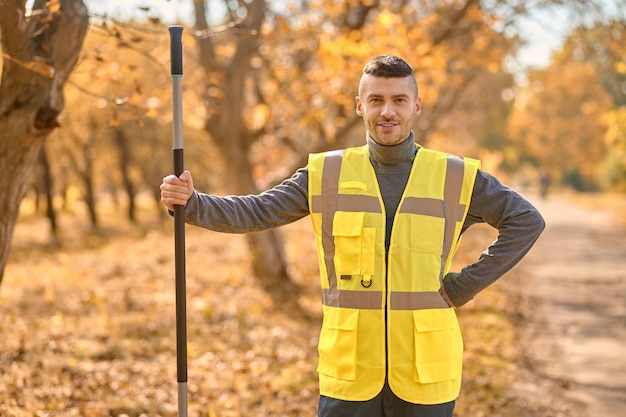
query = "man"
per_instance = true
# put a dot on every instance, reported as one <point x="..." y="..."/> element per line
<point x="387" y="218"/>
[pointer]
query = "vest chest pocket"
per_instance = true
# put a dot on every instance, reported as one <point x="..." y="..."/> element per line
<point x="438" y="345"/>
<point x="427" y="234"/>
<point x="354" y="246"/>
<point x="338" y="343"/>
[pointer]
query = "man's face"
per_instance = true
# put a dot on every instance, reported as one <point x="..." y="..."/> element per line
<point x="388" y="106"/>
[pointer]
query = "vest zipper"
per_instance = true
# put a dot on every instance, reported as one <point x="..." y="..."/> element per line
<point x="386" y="331"/>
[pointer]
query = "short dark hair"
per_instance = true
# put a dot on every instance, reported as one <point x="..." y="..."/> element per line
<point x="390" y="66"/>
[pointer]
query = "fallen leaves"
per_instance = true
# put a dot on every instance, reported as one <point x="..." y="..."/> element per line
<point x="89" y="330"/>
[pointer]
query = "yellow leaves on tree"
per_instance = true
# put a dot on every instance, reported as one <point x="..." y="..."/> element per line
<point x="615" y="140"/>
<point x="259" y="116"/>
<point x="616" y="133"/>
<point x="560" y="126"/>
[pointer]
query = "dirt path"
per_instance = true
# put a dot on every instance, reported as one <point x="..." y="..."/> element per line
<point x="573" y="297"/>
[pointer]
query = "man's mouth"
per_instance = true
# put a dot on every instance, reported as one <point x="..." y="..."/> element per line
<point x="387" y="125"/>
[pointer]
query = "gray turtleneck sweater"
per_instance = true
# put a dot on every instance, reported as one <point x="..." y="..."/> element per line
<point x="519" y="224"/>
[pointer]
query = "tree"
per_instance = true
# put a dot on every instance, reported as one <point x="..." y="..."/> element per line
<point x="227" y="126"/>
<point x="560" y="124"/>
<point x="275" y="82"/>
<point x="614" y="168"/>
<point x="602" y="45"/>
<point x="116" y="141"/>
<point x="39" y="51"/>
<point x="281" y="85"/>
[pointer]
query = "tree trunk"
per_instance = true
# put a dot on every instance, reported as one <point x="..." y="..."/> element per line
<point x="124" y="160"/>
<point x="48" y="186"/>
<point x="228" y="129"/>
<point x="86" y="170"/>
<point x="39" y="52"/>
<point x="269" y="261"/>
<point x="87" y="176"/>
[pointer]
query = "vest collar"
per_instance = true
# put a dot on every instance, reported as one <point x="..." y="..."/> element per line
<point x="393" y="154"/>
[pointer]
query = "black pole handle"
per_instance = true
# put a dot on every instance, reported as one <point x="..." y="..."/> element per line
<point x="176" y="50"/>
<point x="176" y="57"/>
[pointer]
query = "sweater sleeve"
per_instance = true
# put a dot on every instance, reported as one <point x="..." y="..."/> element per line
<point x="519" y="225"/>
<point x="280" y="205"/>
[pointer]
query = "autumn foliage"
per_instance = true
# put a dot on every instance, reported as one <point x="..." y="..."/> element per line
<point x="87" y="314"/>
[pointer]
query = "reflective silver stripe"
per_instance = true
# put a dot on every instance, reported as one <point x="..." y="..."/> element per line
<point x="372" y="300"/>
<point x="453" y="209"/>
<point x="327" y="204"/>
<point x="365" y="300"/>
<point x="449" y="208"/>
<point x="427" y="206"/>
<point x="349" y="203"/>
<point x="416" y="300"/>
<point x="330" y="192"/>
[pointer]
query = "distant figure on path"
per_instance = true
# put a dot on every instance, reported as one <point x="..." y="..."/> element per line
<point x="545" y="181"/>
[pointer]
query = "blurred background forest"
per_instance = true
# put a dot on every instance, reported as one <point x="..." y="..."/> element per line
<point x="268" y="82"/>
<point x="85" y="116"/>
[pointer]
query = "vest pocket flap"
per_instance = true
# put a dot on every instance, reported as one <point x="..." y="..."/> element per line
<point x="341" y="318"/>
<point x="428" y="373"/>
<point x="432" y="320"/>
<point x="347" y="224"/>
<point x="352" y="185"/>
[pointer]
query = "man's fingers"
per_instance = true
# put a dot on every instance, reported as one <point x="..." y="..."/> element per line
<point x="174" y="191"/>
<point x="174" y="184"/>
<point x="174" y="188"/>
<point x="174" y="194"/>
<point x="185" y="176"/>
<point x="174" y="180"/>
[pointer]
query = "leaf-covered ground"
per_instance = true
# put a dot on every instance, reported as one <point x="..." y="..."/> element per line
<point x="87" y="328"/>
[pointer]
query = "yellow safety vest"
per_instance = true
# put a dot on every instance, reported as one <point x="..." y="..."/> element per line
<point x="388" y="320"/>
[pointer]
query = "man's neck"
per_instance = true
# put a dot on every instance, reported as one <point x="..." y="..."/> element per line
<point x="392" y="154"/>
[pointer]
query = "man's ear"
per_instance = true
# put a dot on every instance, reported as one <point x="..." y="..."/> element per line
<point x="357" y="100"/>
<point x="418" y="106"/>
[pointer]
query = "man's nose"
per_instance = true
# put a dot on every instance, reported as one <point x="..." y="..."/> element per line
<point x="387" y="109"/>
